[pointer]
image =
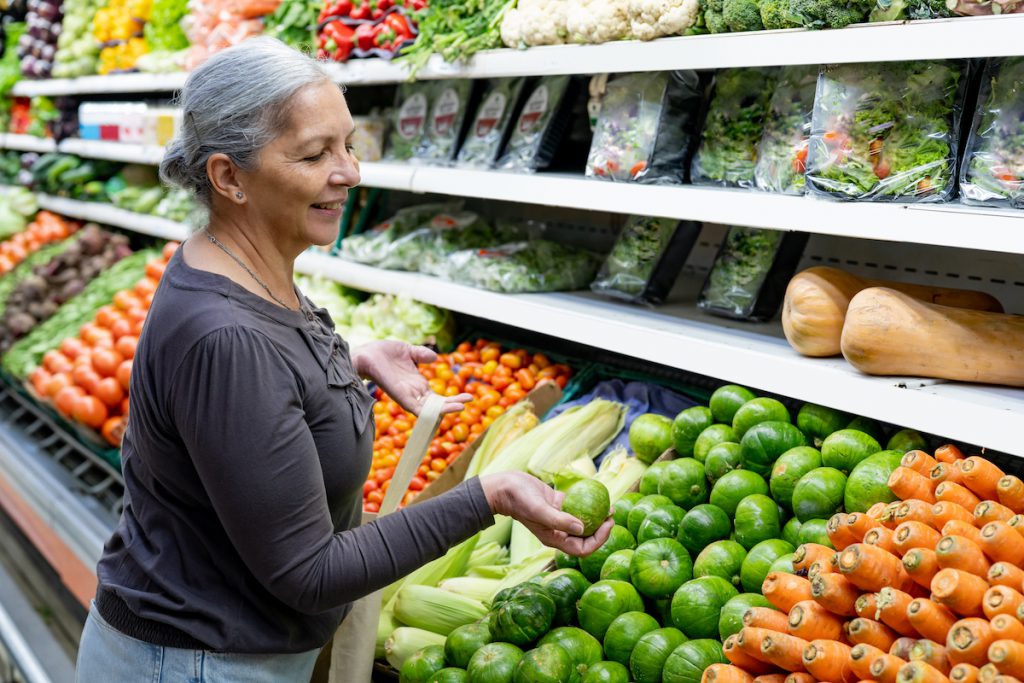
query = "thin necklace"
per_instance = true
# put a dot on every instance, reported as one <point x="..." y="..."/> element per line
<point x="261" y="283"/>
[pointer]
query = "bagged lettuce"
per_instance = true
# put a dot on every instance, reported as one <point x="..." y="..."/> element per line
<point x="782" y="154"/>
<point x="409" y="120"/>
<point x="540" y="126"/>
<point x="536" y="265"/>
<point x="444" y="125"/>
<point x="489" y="127"/>
<point x="993" y="166"/>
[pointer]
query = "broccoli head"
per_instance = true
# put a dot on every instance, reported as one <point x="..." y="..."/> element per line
<point x="775" y="14"/>
<point x="742" y="15"/>
<point x="715" y="22"/>
<point x="829" y="13"/>
<point x="712" y="5"/>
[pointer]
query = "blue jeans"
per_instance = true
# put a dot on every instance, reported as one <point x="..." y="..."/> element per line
<point x="105" y="655"/>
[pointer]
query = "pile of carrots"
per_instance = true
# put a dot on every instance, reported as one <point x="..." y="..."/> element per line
<point x="495" y="377"/>
<point x="45" y="228"/>
<point x="87" y="377"/>
<point x="928" y="589"/>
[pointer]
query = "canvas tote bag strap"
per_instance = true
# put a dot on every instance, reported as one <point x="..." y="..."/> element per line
<point x="355" y="640"/>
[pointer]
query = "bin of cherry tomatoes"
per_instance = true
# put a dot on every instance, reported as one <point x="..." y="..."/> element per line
<point x="494" y="376"/>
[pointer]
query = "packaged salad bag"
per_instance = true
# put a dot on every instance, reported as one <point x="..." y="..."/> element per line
<point x="443" y="129"/>
<point x="372" y="246"/>
<point x="536" y="265"/>
<point x="541" y="124"/>
<point x="782" y="154"/>
<point x="887" y="131"/>
<point x="409" y="120"/>
<point x="427" y="248"/>
<point x="489" y="126"/>
<point x="993" y="166"/>
<point x="646" y="259"/>
<point x="645" y="127"/>
<point x="733" y="126"/>
<point x="749" y="276"/>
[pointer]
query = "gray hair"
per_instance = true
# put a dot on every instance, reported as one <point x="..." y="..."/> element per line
<point x="235" y="103"/>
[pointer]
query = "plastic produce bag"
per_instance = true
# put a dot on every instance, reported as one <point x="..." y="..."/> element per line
<point x="422" y="248"/>
<point x="372" y="246"/>
<point x="408" y="120"/>
<point x="542" y="122"/>
<point x="534" y="266"/>
<point x="782" y="154"/>
<point x="749" y="276"/>
<point x="646" y="259"/>
<point x="887" y="131"/>
<point x="645" y="126"/>
<point x="993" y="169"/>
<point x="443" y="129"/>
<point x="490" y="124"/>
<point x="733" y="127"/>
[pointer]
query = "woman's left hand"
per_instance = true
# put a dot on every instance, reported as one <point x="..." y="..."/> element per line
<point x="392" y="365"/>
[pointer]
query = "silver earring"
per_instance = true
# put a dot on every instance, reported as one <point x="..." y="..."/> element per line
<point x="240" y="195"/>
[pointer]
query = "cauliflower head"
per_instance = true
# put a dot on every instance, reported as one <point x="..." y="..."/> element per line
<point x="650" y="19"/>
<point x="598" y="21"/>
<point x="535" y="22"/>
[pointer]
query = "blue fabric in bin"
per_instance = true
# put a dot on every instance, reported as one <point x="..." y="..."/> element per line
<point x="640" y="397"/>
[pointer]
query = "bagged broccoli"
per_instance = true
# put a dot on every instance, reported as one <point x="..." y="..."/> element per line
<point x="733" y="127"/>
<point x="537" y="265"/>
<point x="782" y="154"/>
<point x="887" y="131"/>
<point x="993" y="168"/>
<point x="444" y="122"/>
<point x="408" y="120"/>
<point x="644" y="130"/>
<point x="749" y="276"/>
<point x="489" y="127"/>
<point x="646" y="259"/>
<point x="542" y="122"/>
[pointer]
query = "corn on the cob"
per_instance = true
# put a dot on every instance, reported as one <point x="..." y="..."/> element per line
<point x="528" y="568"/>
<point x="475" y="588"/>
<point x="489" y="571"/>
<point x="619" y="471"/>
<point x="512" y="424"/>
<point x="523" y="544"/>
<point x="406" y="641"/>
<point x="488" y="553"/>
<point x="436" y="610"/>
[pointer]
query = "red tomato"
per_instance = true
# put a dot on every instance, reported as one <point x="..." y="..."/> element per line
<point x="124" y="374"/>
<point x="109" y="391"/>
<point x="90" y="411"/>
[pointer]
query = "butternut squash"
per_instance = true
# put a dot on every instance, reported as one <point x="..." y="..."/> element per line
<point x="817" y="299"/>
<point x="890" y="333"/>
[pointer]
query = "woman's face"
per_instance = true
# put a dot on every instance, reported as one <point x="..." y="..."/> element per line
<point x="304" y="175"/>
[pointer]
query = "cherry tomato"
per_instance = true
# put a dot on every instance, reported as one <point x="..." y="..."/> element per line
<point x="90" y="411"/>
<point x="109" y="391"/>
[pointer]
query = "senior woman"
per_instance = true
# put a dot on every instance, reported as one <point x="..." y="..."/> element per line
<point x="250" y="437"/>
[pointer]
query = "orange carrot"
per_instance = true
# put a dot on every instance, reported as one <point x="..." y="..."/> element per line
<point x="885" y="668"/>
<point x="988" y="673"/>
<point x="963" y="673"/>
<point x="1008" y="656"/>
<point x="948" y="453"/>
<point x="919" y="461"/>
<point x="921" y="566"/>
<point x="888" y="518"/>
<point x="944" y="472"/>
<point x="860" y="523"/>
<point x="920" y="672"/>
<point x="738" y="657"/>
<point x="968" y="641"/>
<point x="748" y="641"/>
<point x="861" y="657"/>
<point x="901" y="648"/>
<point x="1003" y="678"/>
<point x="1007" y="627"/>
<point x="1017" y="522"/>
<point x="862" y="631"/>
<point x="765" y="617"/>
<point x="1001" y="600"/>
<point x="865" y="606"/>
<point x="828" y="660"/>
<point x="1006" y="574"/>
<point x="944" y="511"/>
<point x="907" y="484"/>
<point x="955" y="493"/>
<point x="959" y="591"/>
<point x="819" y="567"/>
<point x="876" y="511"/>
<point x="838" y="533"/>
<point x="1002" y="543"/>
<point x="991" y="511"/>
<point x="915" y="511"/>
<point x="914" y="535"/>
<point x="981" y="477"/>
<point x="835" y="593"/>
<point x="881" y="537"/>
<point x="809" y="553"/>
<point x="798" y="678"/>
<point x="871" y="568"/>
<point x="811" y="621"/>
<point x="785" y="590"/>
<point x="724" y="673"/>
<point x="966" y="529"/>
<point x="784" y="651"/>
<point x="931" y="653"/>
<point x="1010" y="491"/>
<point x="957" y="552"/>
<point x="932" y="620"/>
<point x="892" y="611"/>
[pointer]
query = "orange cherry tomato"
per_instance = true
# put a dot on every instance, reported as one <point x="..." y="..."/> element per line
<point x="169" y="249"/>
<point x="85" y="377"/>
<point x="39" y="378"/>
<point x="109" y="391"/>
<point x="124" y="407"/>
<point x="155" y="269"/>
<point x="511" y="360"/>
<point x="55" y="383"/>
<point x="120" y="328"/>
<point x="460" y="432"/>
<point x="105" y="362"/>
<point x="126" y="300"/>
<point x="106" y="316"/>
<point x="67" y="398"/>
<point x="525" y="379"/>
<point x="124" y="374"/>
<point x="90" y="411"/>
<point x="55" y="361"/>
<point x="113" y="430"/>
<point x="72" y="347"/>
<point x="92" y="334"/>
<point x="126" y="345"/>
<point x="145" y="287"/>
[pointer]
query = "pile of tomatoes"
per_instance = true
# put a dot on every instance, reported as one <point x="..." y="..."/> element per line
<point x="87" y="377"/>
<point x="46" y="228"/>
<point x="496" y="378"/>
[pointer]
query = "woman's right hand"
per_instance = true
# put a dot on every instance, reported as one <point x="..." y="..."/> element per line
<point x="538" y="507"/>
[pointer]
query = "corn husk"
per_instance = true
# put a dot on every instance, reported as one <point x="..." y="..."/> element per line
<point x="527" y="569"/>
<point x="580" y="468"/>
<point x="489" y="553"/>
<point x="523" y="544"/>
<point x="406" y="641"/>
<point x="386" y="625"/>
<point x="499" y="532"/>
<point x="513" y="423"/>
<point x="490" y="571"/>
<point x="436" y="610"/>
<point x="476" y="588"/>
<point x="619" y="471"/>
<point x="452" y="563"/>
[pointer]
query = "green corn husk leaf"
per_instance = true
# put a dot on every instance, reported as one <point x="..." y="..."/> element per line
<point x="471" y="587"/>
<point x="489" y="553"/>
<point x="452" y="563"/>
<point x="386" y="625"/>
<point x="523" y="544"/>
<point x="527" y="569"/>
<point x="619" y="471"/>
<point x="436" y="610"/>
<point x="512" y="424"/>
<point x="580" y="468"/>
<point x="406" y="641"/>
<point x="499" y="532"/>
<point x="490" y="571"/>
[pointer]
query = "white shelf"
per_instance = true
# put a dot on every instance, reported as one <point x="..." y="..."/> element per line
<point x="936" y="39"/>
<point x="679" y="336"/>
<point x="27" y="143"/>
<point x="111" y="215"/>
<point x="114" y="151"/>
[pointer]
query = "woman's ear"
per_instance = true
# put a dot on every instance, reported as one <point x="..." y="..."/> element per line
<point x="224" y="178"/>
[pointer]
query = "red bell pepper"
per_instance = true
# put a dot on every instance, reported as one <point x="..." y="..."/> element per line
<point x="360" y="11"/>
<point x="365" y="34"/>
<point x="341" y="40"/>
<point x="400" y="25"/>
<point x="383" y="36"/>
<point x="335" y="8"/>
